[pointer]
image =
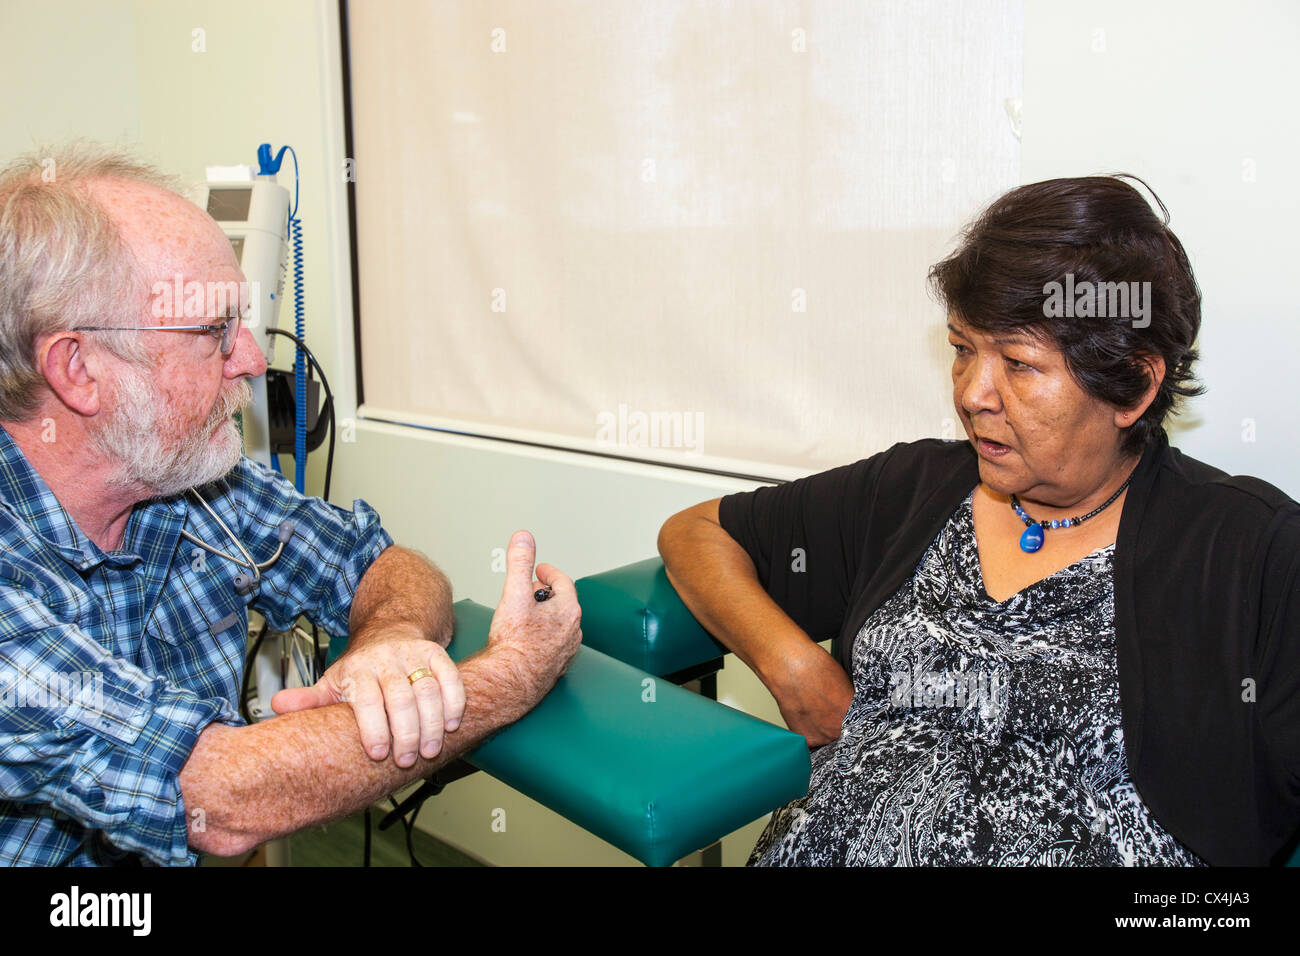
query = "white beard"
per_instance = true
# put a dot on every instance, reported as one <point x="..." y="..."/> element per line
<point x="134" y="436"/>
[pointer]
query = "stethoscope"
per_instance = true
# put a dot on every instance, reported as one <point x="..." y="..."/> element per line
<point x="243" y="582"/>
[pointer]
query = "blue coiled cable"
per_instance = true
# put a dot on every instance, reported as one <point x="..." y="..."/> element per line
<point x="299" y="361"/>
<point x="269" y="166"/>
<point x="300" y="330"/>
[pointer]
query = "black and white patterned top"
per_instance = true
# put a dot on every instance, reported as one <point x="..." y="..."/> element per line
<point x="980" y="733"/>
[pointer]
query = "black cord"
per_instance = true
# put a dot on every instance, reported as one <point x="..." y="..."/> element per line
<point x="409" y="809"/>
<point x="365" y="860"/>
<point x="408" y="824"/>
<point x="248" y="674"/>
<point x="329" y="402"/>
<point x="410" y="831"/>
<point x="319" y="653"/>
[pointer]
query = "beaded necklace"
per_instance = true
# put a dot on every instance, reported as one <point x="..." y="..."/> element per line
<point x="1035" y="531"/>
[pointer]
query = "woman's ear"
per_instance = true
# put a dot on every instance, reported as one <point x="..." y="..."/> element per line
<point x="1154" y="366"/>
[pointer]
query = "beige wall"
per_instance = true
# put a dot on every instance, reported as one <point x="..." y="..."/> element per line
<point x="1194" y="97"/>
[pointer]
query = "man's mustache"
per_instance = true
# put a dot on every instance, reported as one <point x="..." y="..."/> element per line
<point x="239" y="397"/>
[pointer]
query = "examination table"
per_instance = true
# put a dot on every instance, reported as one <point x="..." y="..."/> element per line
<point x="621" y="750"/>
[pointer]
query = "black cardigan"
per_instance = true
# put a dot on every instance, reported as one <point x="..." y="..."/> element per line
<point x="1207" y="616"/>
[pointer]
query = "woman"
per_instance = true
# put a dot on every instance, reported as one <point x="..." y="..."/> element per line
<point x="1059" y="642"/>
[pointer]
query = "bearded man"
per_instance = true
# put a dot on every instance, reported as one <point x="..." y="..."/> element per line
<point x="116" y="442"/>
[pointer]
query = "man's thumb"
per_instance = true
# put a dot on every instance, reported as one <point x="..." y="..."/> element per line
<point x="521" y="555"/>
<point x="300" y="698"/>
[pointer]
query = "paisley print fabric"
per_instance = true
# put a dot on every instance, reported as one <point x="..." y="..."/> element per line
<point x="980" y="733"/>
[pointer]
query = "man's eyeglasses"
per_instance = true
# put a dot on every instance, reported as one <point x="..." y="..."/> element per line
<point x="227" y="331"/>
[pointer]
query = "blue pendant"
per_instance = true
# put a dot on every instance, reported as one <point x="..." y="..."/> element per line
<point x="1032" y="539"/>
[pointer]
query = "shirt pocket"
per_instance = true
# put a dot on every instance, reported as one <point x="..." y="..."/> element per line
<point x="198" y="602"/>
<point x="198" y="633"/>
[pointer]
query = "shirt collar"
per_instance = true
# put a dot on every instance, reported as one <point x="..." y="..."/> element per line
<point x="24" y="493"/>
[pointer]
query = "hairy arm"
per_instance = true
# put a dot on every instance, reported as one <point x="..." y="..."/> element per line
<point x="401" y="620"/>
<point x="243" y="786"/>
<point x="716" y="579"/>
<point x="402" y="591"/>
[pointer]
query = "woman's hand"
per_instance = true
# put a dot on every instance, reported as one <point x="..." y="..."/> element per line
<point x="715" y="578"/>
<point x="814" y="694"/>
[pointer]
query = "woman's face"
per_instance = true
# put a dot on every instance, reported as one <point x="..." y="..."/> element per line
<point x="1037" y="433"/>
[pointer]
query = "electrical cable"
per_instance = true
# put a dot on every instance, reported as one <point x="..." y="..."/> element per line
<point x="409" y="809"/>
<point x="300" y="330"/>
<point x="410" y="834"/>
<point x="328" y="406"/>
<point x="408" y="824"/>
<point x="322" y="653"/>
<point x="365" y="858"/>
<point x="249" y="662"/>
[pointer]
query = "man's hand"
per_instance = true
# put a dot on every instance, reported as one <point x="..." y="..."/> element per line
<point x="540" y="638"/>
<point x="259" y="782"/>
<point x="401" y="607"/>
<point x="373" y="678"/>
<point x="814" y="694"/>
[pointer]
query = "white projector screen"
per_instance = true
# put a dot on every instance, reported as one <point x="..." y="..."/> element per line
<point x="686" y="232"/>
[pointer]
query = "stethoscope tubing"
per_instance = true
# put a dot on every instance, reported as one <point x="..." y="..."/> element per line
<point x="247" y="560"/>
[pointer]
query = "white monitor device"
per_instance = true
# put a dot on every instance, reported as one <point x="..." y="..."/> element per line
<point x="253" y="211"/>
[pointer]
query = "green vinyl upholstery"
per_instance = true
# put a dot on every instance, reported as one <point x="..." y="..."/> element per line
<point x="653" y="769"/>
<point x="632" y="613"/>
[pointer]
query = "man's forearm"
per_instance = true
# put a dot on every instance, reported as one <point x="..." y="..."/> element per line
<point x="401" y="592"/>
<point x="243" y="786"/>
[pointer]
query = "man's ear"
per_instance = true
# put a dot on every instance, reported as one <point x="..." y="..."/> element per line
<point x="1154" y="367"/>
<point x="64" y="365"/>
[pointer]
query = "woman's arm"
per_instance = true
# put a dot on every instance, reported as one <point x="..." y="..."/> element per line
<point x="718" y="582"/>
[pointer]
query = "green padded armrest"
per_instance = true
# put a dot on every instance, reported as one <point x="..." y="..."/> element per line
<point x="656" y="778"/>
<point x="633" y="614"/>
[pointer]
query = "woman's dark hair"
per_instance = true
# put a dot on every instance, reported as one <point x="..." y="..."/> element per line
<point x="1067" y="232"/>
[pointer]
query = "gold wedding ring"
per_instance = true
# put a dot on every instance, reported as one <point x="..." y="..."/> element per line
<point x="419" y="673"/>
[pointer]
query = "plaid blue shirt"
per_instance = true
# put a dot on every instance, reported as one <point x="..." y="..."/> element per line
<point x="111" y="664"/>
